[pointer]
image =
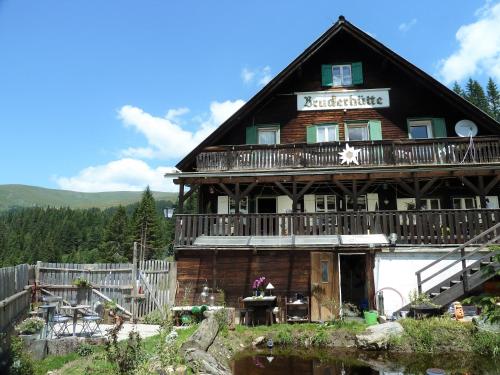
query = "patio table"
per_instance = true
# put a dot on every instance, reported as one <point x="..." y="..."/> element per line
<point x="48" y="311"/>
<point x="76" y="311"/>
<point x="260" y="305"/>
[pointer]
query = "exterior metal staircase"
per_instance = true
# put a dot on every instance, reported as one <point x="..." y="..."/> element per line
<point x="469" y="276"/>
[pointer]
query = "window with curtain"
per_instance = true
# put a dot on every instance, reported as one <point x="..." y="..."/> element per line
<point x="268" y="136"/>
<point x="357" y="132"/>
<point x="326" y="133"/>
<point x="342" y="75"/>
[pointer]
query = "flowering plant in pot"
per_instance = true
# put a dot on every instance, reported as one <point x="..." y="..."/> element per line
<point x="258" y="285"/>
<point x="83" y="290"/>
<point x="30" y="327"/>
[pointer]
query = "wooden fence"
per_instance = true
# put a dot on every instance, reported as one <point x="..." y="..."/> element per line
<point x="15" y="293"/>
<point x="121" y="282"/>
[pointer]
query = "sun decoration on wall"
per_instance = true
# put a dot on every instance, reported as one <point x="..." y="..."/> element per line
<point x="349" y="155"/>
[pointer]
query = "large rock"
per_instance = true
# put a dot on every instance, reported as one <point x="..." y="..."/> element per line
<point x="377" y="337"/>
<point x="195" y="348"/>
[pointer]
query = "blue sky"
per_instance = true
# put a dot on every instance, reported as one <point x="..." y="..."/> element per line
<point x="108" y="95"/>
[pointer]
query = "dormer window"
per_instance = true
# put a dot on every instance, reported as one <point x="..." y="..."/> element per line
<point x="342" y="75"/>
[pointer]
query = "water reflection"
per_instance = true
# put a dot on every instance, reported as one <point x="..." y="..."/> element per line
<point x="357" y="363"/>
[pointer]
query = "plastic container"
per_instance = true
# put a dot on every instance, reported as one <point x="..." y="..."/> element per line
<point x="371" y="317"/>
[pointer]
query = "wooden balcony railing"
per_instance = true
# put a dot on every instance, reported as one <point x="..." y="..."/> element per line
<point x="411" y="227"/>
<point x="438" y="151"/>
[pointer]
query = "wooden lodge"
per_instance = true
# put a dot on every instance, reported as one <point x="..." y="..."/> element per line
<point x="351" y="169"/>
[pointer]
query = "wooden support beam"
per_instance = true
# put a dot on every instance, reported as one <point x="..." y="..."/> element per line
<point x="190" y="192"/>
<point x="354" y="195"/>
<point x="226" y="189"/>
<point x="428" y="185"/>
<point x="471" y="186"/>
<point x="304" y="189"/>
<point x="284" y="189"/>
<point x="418" y="194"/>
<point x="482" y="195"/>
<point x="295" y="198"/>
<point x="180" y="206"/>
<point x="365" y="187"/>
<point x="405" y="186"/>
<point x="248" y="189"/>
<point x="492" y="184"/>
<point x="237" y="198"/>
<point x="341" y="186"/>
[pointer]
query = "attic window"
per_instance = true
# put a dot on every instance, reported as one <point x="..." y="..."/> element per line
<point x="342" y="75"/>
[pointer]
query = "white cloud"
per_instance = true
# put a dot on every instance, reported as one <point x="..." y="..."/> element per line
<point x="479" y="47"/>
<point x="118" y="175"/>
<point x="260" y="76"/>
<point x="406" y="26"/>
<point x="247" y="75"/>
<point x="166" y="138"/>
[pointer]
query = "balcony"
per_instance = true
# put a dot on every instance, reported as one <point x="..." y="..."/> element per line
<point x="433" y="227"/>
<point x="388" y="153"/>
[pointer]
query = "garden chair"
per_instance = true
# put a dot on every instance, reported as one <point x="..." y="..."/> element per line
<point x="91" y="322"/>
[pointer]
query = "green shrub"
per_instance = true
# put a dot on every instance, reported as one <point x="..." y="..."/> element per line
<point x="284" y="336"/>
<point x="154" y="317"/>
<point x="320" y="337"/>
<point x="22" y="364"/>
<point x="85" y="350"/>
<point x="486" y="343"/>
<point x="126" y="359"/>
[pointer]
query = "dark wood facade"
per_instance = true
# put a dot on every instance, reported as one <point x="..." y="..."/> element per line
<point x="428" y="192"/>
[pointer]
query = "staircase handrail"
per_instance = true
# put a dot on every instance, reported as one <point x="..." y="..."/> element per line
<point x="461" y="259"/>
<point x="467" y="256"/>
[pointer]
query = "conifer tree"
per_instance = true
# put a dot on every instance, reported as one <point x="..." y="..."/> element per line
<point x="493" y="98"/>
<point x="457" y="89"/>
<point x="146" y="225"/>
<point x="117" y="240"/>
<point x="474" y="93"/>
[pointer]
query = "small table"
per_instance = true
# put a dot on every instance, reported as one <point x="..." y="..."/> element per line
<point x="260" y="305"/>
<point x="76" y="311"/>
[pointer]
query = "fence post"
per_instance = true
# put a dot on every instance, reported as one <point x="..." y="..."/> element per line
<point x="134" y="283"/>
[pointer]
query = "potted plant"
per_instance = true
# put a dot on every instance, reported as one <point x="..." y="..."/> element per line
<point x="421" y="305"/>
<point x="259" y="285"/>
<point x="83" y="288"/>
<point x="111" y="312"/>
<point x="30" y="328"/>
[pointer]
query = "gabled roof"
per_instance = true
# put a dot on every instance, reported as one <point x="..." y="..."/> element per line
<point x="341" y="25"/>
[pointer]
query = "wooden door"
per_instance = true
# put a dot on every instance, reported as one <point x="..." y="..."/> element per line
<point x="324" y="286"/>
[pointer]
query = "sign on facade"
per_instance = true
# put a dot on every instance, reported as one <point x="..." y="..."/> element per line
<point x="352" y="99"/>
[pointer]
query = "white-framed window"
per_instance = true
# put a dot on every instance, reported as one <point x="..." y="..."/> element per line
<point x="342" y="75"/>
<point x="326" y="203"/>
<point x="430" y="204"/>
<point x="420" y="129"/>
<point x="464" y="203"/>
<point x="326" y="133"/>
<point x="362" y="203"/>
<point x="268" y="136"/>
<point x="243" y="205"/>
<point x="357" y="132"/>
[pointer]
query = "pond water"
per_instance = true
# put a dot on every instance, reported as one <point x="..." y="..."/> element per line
<point x="319" y="362"/>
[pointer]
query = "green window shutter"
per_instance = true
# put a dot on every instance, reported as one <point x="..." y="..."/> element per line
<point x="251" y="135"/>
<point x="357" y="73"/>
<point x="326" y="75"/>
<point x="311" y="134"/>
<point x="439" y="128"/>
<point x="375" y="127"/>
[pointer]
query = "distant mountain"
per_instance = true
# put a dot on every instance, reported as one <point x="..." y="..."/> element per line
<point x="32" y="196"/>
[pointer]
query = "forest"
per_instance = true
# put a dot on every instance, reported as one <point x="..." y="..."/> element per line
<point x="488" y="100"/>
<point x="91" y="235"/>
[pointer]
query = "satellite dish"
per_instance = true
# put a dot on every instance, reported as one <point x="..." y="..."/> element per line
<point x="466" y="128"/>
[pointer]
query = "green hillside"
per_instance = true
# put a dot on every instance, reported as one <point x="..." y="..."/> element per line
<point x="31" y="196"/>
